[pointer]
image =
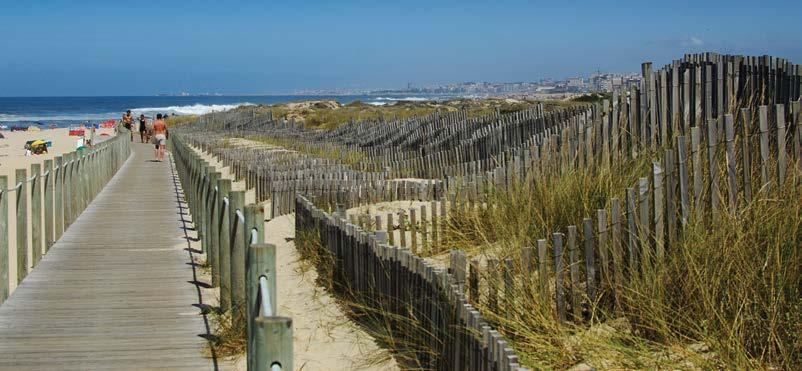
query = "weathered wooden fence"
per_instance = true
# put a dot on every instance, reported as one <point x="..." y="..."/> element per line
<point x="242" y="266"/>
<point x="425" y="305"/>
<point x="721" y="130"/>
<point x="59" y="190"/>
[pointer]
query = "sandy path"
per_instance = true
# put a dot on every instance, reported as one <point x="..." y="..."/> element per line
<point x="324" y="337"/>
<point x="12" y="157"/>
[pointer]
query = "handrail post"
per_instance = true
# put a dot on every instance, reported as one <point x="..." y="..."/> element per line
<point x="22" y="224"/>
<point x="208" y="193"/>
<point x="3" y="238"/>
<point x="212" y="256"/>
<point x="273" y="343"/>
<point x="36" y="214"/>
<point x="224" y="244"/>
<point x="237" y="203"/>
<point x="200" y="217"/>
<point x="66" y="177"/>
<point x="261" y="262"/>
<point x="48" y="206"/>
<point x="58" y="198"/>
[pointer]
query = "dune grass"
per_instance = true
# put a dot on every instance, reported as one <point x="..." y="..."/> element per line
<point x="727" y="295"/>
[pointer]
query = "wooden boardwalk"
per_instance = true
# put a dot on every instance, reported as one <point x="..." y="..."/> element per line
<point x="117" y="290"/>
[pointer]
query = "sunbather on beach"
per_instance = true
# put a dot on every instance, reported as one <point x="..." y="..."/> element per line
<point x="160" y="131"/>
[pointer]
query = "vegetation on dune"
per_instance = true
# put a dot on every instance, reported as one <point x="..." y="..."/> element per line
<point x="180" y="120"/>
<point x="727" y="295"/>
<point x="330" y="114"/>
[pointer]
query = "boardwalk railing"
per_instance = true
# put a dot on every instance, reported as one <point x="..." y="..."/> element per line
<point x="242" y="266"/>
<point x="60" y="189"/>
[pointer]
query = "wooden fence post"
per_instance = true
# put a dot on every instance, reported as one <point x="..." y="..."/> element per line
<point x="3" y="238"/>
<point x="559" y="275"/>
<point x="659" y="209"/>
<point x="261" y="262"/>
<point x="712" y="162"/>
<point x="224" y="243"/>
<point x="782" y="156"/>
<point x="58" y="198"/>
<point x="238" y="243"/>
<point x="683" y="181"/>
<point x="732" y="182"/>
<point x="573" y="261"/>
<point x="696" y="157"/>
<point x="542" y="270"/>
<point x="36" y="214"/>
<point x="273" y="343"/>
<point x="22" y="223"/>
<point x="763" y="121"/>
<point x="48" y="206"/>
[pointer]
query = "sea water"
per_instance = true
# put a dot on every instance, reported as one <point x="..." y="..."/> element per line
<point x="65" y="111"/>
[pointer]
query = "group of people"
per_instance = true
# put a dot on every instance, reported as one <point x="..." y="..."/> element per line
<point x="155" y="131"/>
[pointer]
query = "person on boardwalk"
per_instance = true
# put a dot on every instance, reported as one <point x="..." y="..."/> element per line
<point x="160" y="135"/>
<point x="128" y="122"/>
<point x="142" y="127"/>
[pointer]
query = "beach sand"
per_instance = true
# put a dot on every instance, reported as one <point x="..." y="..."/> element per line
<point x="12" y="157"/>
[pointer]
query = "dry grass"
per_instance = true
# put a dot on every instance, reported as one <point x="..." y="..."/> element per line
<point x="229" y="340"/>
<point x="727" y="295"/>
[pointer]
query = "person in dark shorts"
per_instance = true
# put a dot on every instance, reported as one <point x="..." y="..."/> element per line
<point x="142" y="128"/>
<point x="128" y="123"/>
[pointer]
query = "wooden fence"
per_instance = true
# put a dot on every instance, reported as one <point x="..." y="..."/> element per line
<point x="242" y="265"/>
<point x="720" y="130"/>
<point x="425" y="305"/>
<point x="59" y="189"/>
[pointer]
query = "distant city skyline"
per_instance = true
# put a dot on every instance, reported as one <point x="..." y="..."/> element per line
<point x="93" y="47"/>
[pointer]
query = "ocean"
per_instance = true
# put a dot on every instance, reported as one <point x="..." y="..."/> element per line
<point x="65" y="111"/>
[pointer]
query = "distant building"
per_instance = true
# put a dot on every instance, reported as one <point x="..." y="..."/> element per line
<point x="576" y="82"/>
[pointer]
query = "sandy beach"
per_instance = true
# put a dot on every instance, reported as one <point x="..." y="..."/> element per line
<point x="12" y="157"/>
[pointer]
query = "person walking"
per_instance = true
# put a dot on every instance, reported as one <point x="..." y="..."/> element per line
<point x="142" y="127"/>
<point x="128" y="122"/>
<point x="160" y="135"/>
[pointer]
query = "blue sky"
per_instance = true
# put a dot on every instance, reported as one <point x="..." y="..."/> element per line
<point x="55" y="48"/>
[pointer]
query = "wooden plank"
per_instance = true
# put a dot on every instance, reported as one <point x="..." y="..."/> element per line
<point x="559" y="276"/>
<point x="542" y="270"/>
<point x="574" y="263"/>
<point x="685" y="207"/>
<point x="659" y="210"/>
<point x="140" y="312"/>
<point x="616" y="249"/>
<point x="644" y="221"/>
<point x="746" y="152"/>
<point x="732" y="182"/>
<point x="763" y="122"/>
<point x="782" y="156"/>
<point x="632" y="232"/>
<point x="696" y="158"/>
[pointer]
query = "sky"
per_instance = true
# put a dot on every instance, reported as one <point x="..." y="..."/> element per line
<point x="100" y="48"/>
